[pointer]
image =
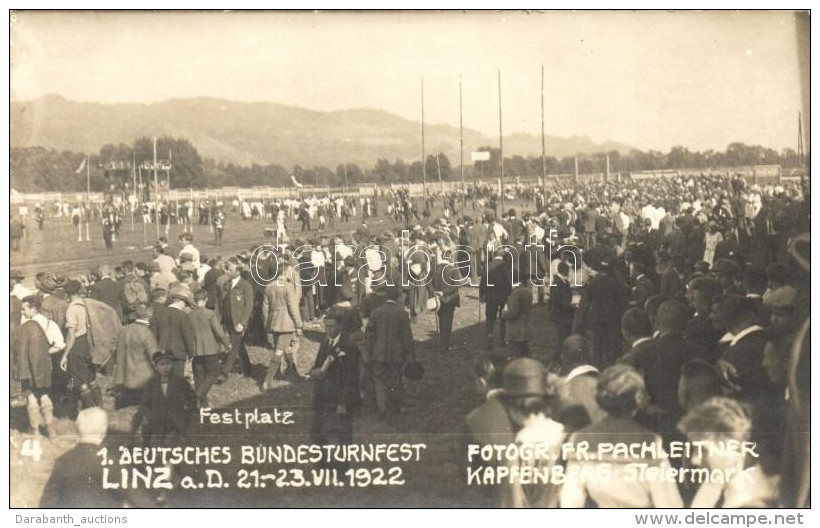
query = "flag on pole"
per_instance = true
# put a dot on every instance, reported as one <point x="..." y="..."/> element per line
<point x="82" y="165"/>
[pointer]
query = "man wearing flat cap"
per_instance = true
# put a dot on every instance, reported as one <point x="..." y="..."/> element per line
<point x="167" y="405"/>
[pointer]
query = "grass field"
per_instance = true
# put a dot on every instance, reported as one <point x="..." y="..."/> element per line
<point x="434" y="408"/>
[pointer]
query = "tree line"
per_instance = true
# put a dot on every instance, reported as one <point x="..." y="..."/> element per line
<point x="37" y="169"/>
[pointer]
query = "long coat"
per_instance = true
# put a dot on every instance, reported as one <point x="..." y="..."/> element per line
<point x="447" y="280"/>
<point x="388" y="336"/>
<point x="496" y="282"/>
<point x="174" y="332"/>
<point x="280" y="307"/>
<point x="136" y="345"/>
<point x="517" y="314"/>
<point x="208" y="332"/>
<point x="29" y="355"/>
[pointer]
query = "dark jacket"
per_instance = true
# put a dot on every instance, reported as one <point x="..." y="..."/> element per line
<point x="167" y="414"/>
<point x="209" y="283"/>
<point x="517" y="314"/>
<point x="208" y="332"/>
<point x="108" y="291"/>
<point x="496" y="282"/>
<point x="76" y="481"/>
<point x="174" y="332"/>
<point x="560" y="303"/>
<point x="671" y="285"/>
<point x="746" y="355"/>
<point x="643" y="289"/>
<point x="703" y="337"/>
<point x="639" y="356"/>
<point x="603" y="302"/>
<point x="237" y="303"/>
<point x="447" y="279"/>
<point x="29" y="355"/>
<point x="340" y="384"/>
<point x="662" y="375"/>
<point x="388" y="336"/>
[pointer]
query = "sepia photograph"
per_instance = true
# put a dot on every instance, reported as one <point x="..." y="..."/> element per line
<point x="409" y="259"/>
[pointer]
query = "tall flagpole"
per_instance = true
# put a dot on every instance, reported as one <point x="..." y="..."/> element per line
<point x="543" y="143"/>
<point x="156" y="189"/>
<point x="501" y="141"/>
<point x="423" y="158"/>
<point x="87" y="195"/>
<point x="134" y="183"/>
<point x="461" y="143"/>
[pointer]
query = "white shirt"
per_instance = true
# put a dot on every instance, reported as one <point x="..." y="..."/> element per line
<point x="580" y="371"/>
<point x="743" y="333"/>
<point x="641" y="340"/>
<point x="55" y="337"/>
<point x="203" y="269"/>
<point x="335" y="341"/>
<point x="192" y="251"/>
<point x="20" y="291"/>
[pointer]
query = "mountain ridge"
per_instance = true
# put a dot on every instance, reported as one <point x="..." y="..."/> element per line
<point x="263" y="132"/>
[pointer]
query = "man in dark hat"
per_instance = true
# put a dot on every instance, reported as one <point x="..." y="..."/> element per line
<point x="742" y="363"/>
<point x="335" y="376"/>
<point x="603" y="302"/>
<point x="389" y="343"/>
<point x="662" y="371"/>
<point x="493" y="291"/>
<point x="516" y="313"/>
<point x="446" y="284"/>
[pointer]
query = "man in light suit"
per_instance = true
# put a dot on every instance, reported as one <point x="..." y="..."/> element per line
<point x="283" y="324"/>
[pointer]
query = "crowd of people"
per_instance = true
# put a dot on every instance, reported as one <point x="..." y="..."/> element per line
<point x="679" y="310"/>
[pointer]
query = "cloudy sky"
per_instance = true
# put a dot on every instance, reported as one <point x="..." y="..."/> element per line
<point x="649" y="79"/>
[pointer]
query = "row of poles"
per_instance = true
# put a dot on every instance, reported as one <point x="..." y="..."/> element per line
<point x="461" y="139"/>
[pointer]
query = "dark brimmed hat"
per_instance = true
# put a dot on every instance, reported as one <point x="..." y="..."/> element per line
<point x="525" y="377"/>
<point x="182" y="293"/>
<point x="16" y="274"/>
